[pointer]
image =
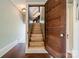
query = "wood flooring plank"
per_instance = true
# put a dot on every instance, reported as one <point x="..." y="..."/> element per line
<point x="19" y="52"/>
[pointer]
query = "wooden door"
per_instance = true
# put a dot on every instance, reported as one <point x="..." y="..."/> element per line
<point x="55" y="16"/>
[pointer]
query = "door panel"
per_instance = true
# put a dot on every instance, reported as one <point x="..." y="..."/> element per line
<point x="55" y="15"/>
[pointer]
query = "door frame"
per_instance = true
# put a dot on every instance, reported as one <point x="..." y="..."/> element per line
<point x="35" y="5"/>
<point x="69" y="37"/>
<point x="27" y="5"/>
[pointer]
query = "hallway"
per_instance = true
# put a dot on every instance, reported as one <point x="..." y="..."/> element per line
<point x="39" y="28"/>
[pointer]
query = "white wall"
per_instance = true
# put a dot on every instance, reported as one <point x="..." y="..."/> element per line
<point x="76" y="31"/>
<point x="11" y="25"/>
<point x="42" y="16"/>
<point x="73" y="29"/>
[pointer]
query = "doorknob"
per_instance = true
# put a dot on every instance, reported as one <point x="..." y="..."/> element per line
<point x="61" y="35"/>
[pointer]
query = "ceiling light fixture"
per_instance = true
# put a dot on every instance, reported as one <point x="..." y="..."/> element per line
<point x="24" y="10"/>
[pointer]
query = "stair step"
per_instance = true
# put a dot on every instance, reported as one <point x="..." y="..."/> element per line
<point x="36" y="35"/>
<point x="36" y="44"/>
<point x="36" y="29"/>
<point x="36" y="23"/>
<point x="36" y="32"/>
<point x="36" y="39"/>
<point x="42" y="47"/>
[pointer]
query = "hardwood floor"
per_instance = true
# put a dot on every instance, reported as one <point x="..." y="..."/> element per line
<point x="19" y="52"/>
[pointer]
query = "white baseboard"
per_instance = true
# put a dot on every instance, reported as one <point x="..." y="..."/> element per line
<point x="7" y="48"/>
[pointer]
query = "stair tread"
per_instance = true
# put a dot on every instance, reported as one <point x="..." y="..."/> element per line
<point x="37" y="44"/>
<point x="37" y="37"/>
<point x="36" y="23"/>
<point x="36" y="34"/>
<point x="36" y="40"/>
<point x="42" y="47"/>
<point x="36" y="29"/>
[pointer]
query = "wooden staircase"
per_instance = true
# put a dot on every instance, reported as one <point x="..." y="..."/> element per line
<point x="36" y="38"/>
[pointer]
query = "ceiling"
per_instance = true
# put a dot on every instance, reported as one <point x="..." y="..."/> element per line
<point x="22" y="3"/>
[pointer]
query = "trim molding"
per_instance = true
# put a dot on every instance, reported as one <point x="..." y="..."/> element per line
<point x="7" y="48"/>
